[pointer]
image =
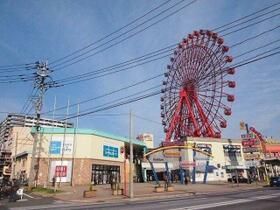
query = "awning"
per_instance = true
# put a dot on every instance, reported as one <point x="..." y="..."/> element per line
<point x="22" y="154"/>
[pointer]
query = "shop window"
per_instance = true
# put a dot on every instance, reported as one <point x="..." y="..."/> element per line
<point x="105" y="174"/>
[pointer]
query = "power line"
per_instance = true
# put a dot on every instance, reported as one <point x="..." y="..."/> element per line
<point x="216" y="28"/>
<point x="126" y="38"/>
<point x="87" y="75"/>
<point x="252" y="24"/>
<point x="17" y="67"/>
<point x="146" y="119"/>
<point x="112" y="33"/>
<point x="110" y="93"/>
<point x="254" y="37"/>
<point x="11" y="67"/>
<point x="118" y="104"/>
<point x="125" y="97"/>
<point x="254" y="18"/>
<point x="159" y="75"/>
<point x="122" y="64"/>
<point x="27" y="102"/>
<point x="158" y="92"/>
<point x="117" y="71"/>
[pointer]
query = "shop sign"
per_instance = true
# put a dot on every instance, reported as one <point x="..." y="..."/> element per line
<point x="232" y="148"/>
<point x="250" y="149"/>
<point x="201" y="158"/>
<point x="156" y="159"/>
<point x="109" y="151"/>
<point x="55" y="147"/>
<point x="172" y="154"/>
<point x="252" y="163"/>
<point x="251" y="156"/>
<point x="145" y="137"/>
<point x="187" y="164"/>
<point x="205" y="147"/>
<point x="173" y="143"/>
<point x="251" y="142"/>
<point x="275" y="155"/>
<point x="57" y="143"/>
<point x="60" y="171"/>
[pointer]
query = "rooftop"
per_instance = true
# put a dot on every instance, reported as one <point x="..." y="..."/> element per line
<point x="82" y="131"/>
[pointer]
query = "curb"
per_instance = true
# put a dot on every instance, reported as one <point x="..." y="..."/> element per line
<point x="153" y="196"/>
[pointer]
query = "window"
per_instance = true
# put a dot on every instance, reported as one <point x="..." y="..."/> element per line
<point x="109" y="151"/>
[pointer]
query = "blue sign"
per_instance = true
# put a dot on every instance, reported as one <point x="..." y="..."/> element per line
<point x="55" y="147"/>
<point x="109" y="151"/>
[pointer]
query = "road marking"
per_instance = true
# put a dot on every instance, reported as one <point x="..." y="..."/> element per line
<point x="28" y="195"/>
<point x="21" y="200"/>
<point x="226" y="203"/>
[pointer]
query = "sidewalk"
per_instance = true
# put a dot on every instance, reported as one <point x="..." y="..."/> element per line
<point x="144" y="191"/>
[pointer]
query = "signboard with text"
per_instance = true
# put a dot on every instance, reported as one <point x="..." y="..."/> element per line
<point x="232" y="148"/>
<point x="248" y="156"/>
<point x="60" y="171"/>
<point x="251" y="149"/>
<point x="187" y="164"/>
<point x="252" y="163"/>
<point x="249" y="143"/>
<point x="60" y="145"/>
<point x="173" y="143"/>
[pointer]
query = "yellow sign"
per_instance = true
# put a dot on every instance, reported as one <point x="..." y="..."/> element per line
<point x="172" y="154"/>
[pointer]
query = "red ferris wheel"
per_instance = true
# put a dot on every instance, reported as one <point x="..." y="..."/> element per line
<point x="194" y="102"/>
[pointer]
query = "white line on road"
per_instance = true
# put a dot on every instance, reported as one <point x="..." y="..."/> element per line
<point x="226" y="203"/>
<point x="28" y="195"/>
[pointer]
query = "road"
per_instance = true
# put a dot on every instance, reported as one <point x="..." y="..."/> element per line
<point x="266" y="198"/>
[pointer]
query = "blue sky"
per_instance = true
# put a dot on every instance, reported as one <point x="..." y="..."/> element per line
<point x="32" y="30"/>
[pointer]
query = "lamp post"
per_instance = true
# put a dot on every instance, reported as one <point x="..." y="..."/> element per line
<point x="131" y="195"/>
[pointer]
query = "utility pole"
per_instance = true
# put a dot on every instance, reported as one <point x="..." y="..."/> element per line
<point x="131" y="195"/>
<point x="42" y="82"/>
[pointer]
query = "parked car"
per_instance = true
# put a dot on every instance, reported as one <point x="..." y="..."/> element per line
<point x="241" y="179"/>
<point x="275" y="181"/>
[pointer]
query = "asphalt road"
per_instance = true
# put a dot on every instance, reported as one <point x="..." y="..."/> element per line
<point x="266" y="198"/>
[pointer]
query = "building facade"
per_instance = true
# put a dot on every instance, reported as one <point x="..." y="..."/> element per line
<point x="75" y="156"/>
<point x="226" y="160"/>
<point x="18" y="120"/>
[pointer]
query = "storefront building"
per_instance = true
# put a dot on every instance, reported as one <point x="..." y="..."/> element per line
<point x="74" y="156"/>
<point x="226" y="160"/>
